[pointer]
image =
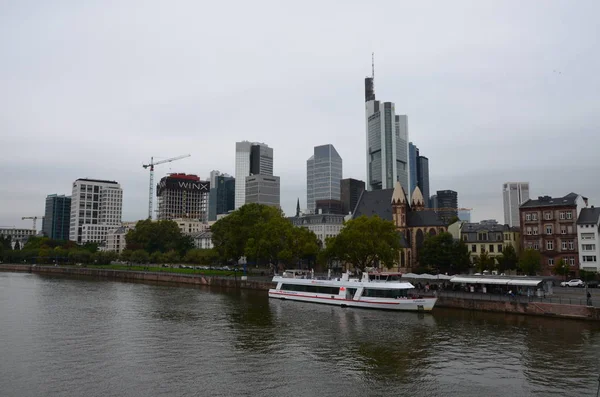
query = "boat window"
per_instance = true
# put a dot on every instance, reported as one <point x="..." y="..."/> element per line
<point x="385" y="293"/>
<point x="317" y="289"/>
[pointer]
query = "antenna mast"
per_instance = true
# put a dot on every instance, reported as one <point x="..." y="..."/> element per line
<point x="373" y="65"/>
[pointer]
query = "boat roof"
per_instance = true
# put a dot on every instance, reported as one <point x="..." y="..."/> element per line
<point x="352" y="283"/>
<point x="500" y="280"/>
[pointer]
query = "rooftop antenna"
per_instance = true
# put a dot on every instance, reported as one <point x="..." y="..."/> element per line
<point x="373" y="65"/>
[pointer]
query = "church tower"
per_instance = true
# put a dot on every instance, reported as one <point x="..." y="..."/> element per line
<point x="417" y="203"/>
<point x="399" y="206"/>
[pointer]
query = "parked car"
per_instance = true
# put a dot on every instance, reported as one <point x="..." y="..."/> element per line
<point x="573" y="283"/>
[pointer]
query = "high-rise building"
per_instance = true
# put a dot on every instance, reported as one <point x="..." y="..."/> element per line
<point x="423" y="178"/>
<point x="251" y="158"/>
<point x="263" y="189"/>
<point x="514" y="194"/>
<point x="57" y="217"/>
<point x="447" y="200"/>
<point x="221" y="198"/>
<point x="413" y="155"/>
<point x="96" y="207"/>
<point x="387" y="143"/>
<point x="323" y="176"/>
<point x="433" y="201"/>
<point x="351" y="189"/>
<point x="183" y="196"/>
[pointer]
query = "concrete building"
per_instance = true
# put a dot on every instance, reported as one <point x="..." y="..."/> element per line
<point x="323" y="176"/>
<point x="191" y="226"/>
<point x="351" y="189"/>
<point x="116" y="239"/>
<point x="513" y="195"/>
<point x="263" y="189"/>
<point x="57" y="217"/>
<point x="489" y="237"/>
<point x="17" y="234"/>
<point x="387" y="143"/>
<point x="183" y="196"/>
<point x="96" y="208"/>
<point x="588" y="237"/>
<point x="251" y="158"/>
<point x="448" y="200"/>
<point x="323" y="225"/>
<point x="549" y="225"/>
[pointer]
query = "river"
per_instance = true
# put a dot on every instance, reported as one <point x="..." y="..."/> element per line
<point x="80" y="337"/>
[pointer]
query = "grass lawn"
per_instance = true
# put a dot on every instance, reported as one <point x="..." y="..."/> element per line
<point x="153" y="268"/>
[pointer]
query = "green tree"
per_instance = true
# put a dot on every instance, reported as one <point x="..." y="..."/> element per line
<point x="156" y="257"/>
<point x="162" y="236"/>
<point x="125" y="255"/>
<point x="587" y="275"/>
<point x="140" y="257"/>
<point x="530" y="262"/>
<point x="104" y="257"/>
<point x="508" y="260"/>
<point x="484" y="262"/>
<point x="171" y="257"/>
<point x="561" y="268"/>
<point x="442" y="254"/>
<point x="366" y="242"/>
<point x="80" y="256"/>
<point x="199" y="256"/>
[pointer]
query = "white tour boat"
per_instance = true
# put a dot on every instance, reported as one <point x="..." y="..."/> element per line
<point x="372" y="291"/>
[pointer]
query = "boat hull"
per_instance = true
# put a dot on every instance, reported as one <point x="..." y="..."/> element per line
<point x="421" y="304"/>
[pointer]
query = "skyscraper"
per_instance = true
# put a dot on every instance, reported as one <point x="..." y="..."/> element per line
<point x="351" y="189"/>
<point x="514" y="194"/>
<point x="183" y="196"/>
<point x="413" y="155"/>
<point x="323" y="175"/>
<point x="423" y="178"/>
<point x="448" y="201"/>
<point x="57" y="217"/>
<point x="263" y="189"/>
<point x="387" y="143"/>
<point x="96" y="207"/>
<point x="251" y="158"/>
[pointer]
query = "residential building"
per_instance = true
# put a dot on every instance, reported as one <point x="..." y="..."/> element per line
<point x="191" y="226"/>
<point x="116" y="239"/>
<point x="514" y="194"/>
<point x="203" y="240"/>
<point x="222" y="196"/>
<point x="251" y="158"/>
<point x="588" y="237"/>
<point x="387" y="143"/>
<point x="447" y="202"/>
<point x="489" y="237"/>
<point x="549" y="225"/>
<point x="323" y="175"/>
<point x="323" y="225"/>
<point x="263" y="189"/>
<point x="183" y="196"/>
<point x="96" y="208"/>
<point x="413" y="221"/>
<point x="17" y="234"/>
<point x="351" y="189"/>
<point x="57" y="218"/>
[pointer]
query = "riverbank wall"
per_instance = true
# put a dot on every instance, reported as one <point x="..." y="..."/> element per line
<point x="579" y="312"/>
<point x="140" y="276"/>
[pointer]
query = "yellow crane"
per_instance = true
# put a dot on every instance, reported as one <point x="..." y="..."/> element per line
<point x="34" y="218"/>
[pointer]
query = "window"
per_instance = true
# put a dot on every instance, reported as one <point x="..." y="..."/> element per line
<point x="571" y="261"/>
<point x="491" y="247"/>
<point x="587" y="236"/>
<point x="482" y="247"/>
<point x="548" y="229"/>
<point x="473" y="248"/>
<point x="569" y="215"/>
<point x="550" y="261"/>
<point x="588" y="258"/>
<point x="562" y="215"/>
<point x="536" y="246"/>
<point x="563" y="230"/>
<point x="547" y="216"/>
<point x="534" y="216"/>
<point x="570" y="229"/>
<point x="589" y="247"/>
<point x="465" y="238"/>
<point x="499" y="247"/>
<point x="535" y="230"/>
<point x="564" y="245"/>
<point x="528" y="230"/>
<point x="527" y="217"/>
<point x="571" y="245"/>
<point x="549" y="245"/>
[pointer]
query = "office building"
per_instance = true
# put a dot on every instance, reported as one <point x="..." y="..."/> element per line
<point x="514" y="194"/>
<point x="251" y="158"/>
<point x="96" y="208"/>
<point x="183" y="196"/>
<point x="447" y="202"/>
<point x="433" y="202"/>
<point x="387" y="143"/>
<point x="57" y="217"/>
<point x="413" y="155"/>
<point x="323" y="176"/>
<point x="549" y="225"/>
<point x="262" y="189"/>
<point x="328" y="207"/>
<point x="351" y="189"/>
<point x="221" y="198"/>
<point x="423" y="178"/>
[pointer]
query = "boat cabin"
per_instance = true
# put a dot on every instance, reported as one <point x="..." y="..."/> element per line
<point x="296" y="273"/>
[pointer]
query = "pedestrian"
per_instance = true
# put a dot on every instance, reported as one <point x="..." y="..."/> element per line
<point x="589" y="299"/>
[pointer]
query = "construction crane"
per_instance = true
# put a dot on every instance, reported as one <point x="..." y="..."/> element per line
<point x="35" y="218"/>
<point x="151" y="188"/>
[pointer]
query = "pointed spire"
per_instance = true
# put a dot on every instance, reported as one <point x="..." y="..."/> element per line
<point x="399" y="197"/>
<point x="298" y="208"/>
<point x="417" y="199"/>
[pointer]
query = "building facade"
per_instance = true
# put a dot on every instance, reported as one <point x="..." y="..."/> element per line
<point x="116" y="239"/>
<point x="203" y="240"/>
<point x="447" y="201"/>
<point x="96" y="208"/>
<point x="513" y="195"/>
<point x="251" y="158"/>
<point x="387" y="143"/>
<point x="423" y="178"/>
<point x="17" y="234"/>
<point x="323" y="225"/>
<point x="351" y="189"/>
<point x="489" y="237"/>
<point x="222" y="196"/>
<point x="413" y="221"/>
<point x="588" y="237"/>
<point x="549" y="225"/>
<point x="183" y="196"/>
<point x="263" y="189"/>
<point x="57" y="217"/>
<point x="323" y="176"/>
<point x="413" y="155"/>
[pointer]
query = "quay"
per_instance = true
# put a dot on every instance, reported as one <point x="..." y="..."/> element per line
<point x="568" y="309"/>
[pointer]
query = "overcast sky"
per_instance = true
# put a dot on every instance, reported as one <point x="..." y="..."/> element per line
<point x="494" y="92"/>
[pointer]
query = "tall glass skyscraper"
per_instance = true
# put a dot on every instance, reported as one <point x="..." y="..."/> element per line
<point x="251" y="158"/>
<point x="57" y="217"/>
<point x="387" y="143"/>
<point x="323" y="176"/>
<point x="514" y="194"/>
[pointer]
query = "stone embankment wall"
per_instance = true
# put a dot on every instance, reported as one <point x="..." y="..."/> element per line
<point x="529" y="308"/>
<point x="125" y="275"/>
